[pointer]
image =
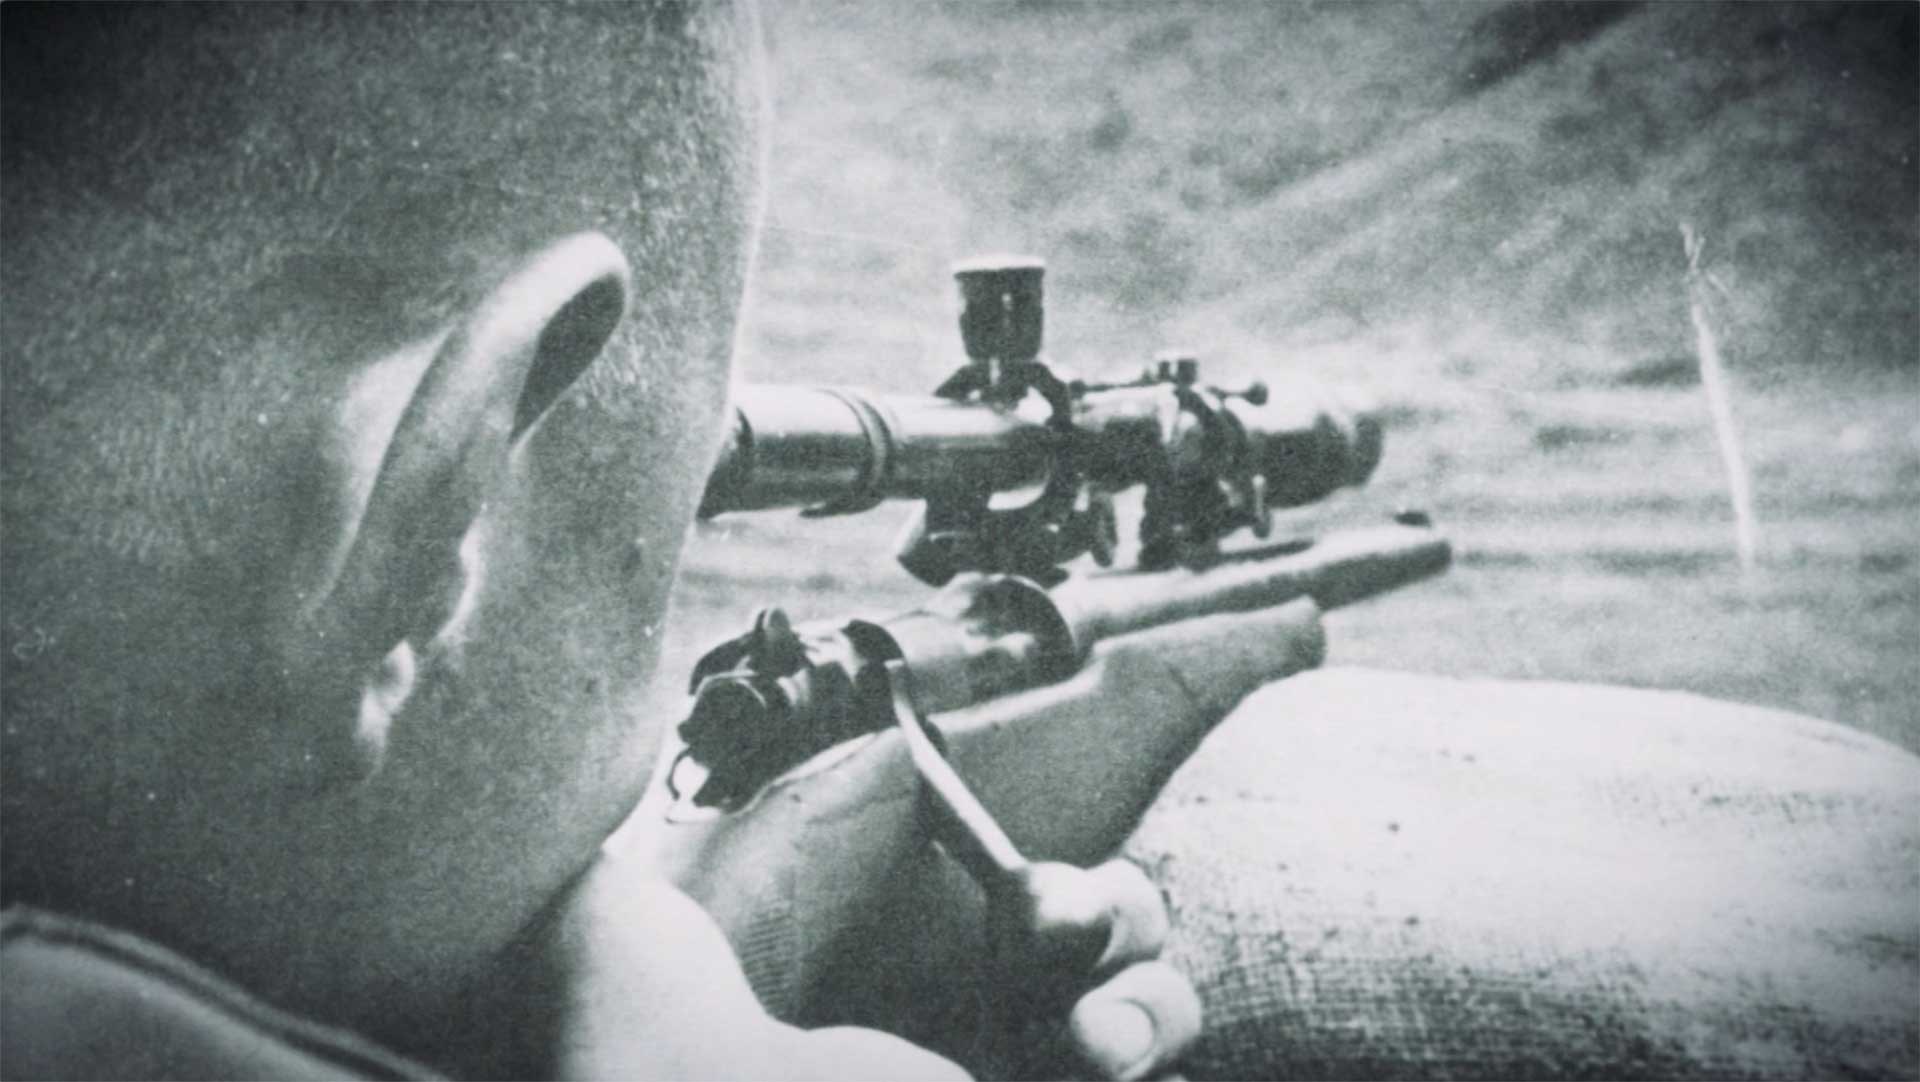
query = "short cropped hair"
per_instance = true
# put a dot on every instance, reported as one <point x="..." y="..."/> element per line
<point x="184" y="185"/>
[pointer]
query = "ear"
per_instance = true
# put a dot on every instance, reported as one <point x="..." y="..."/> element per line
<point x="394" y="576"/>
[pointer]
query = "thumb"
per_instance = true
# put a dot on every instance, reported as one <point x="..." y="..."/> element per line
<point x="1136" y="1023"/>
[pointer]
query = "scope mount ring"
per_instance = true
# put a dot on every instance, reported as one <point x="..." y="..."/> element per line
<point x="879" y="435"/>
<point x="958" y="530"/>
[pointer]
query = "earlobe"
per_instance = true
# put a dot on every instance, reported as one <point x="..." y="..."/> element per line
<point x="402" y="562"/>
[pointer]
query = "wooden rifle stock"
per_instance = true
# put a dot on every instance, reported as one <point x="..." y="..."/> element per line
<point x="1067" y="764"/>
<point x="1068" y="768"/>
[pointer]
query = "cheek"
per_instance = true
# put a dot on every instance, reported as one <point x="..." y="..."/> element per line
<point x="576" y="563"/>
<point x="606" y="494"/>
<point x="537" y="702"/>
<point x="608" y="483"/>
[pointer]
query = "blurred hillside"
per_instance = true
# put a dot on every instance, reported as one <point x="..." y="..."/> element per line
<point x="1475" y="208"/>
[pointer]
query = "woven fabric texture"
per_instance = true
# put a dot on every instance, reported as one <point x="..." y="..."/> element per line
<point x="1377" y="875"/>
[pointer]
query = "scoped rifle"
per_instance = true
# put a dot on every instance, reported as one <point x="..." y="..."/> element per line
<point x="1114" y="674"/>
<point x="1211" y="460"/>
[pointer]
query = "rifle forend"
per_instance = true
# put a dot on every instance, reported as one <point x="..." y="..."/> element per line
<point x="780" y="693"/>
<point x="1212" y="460"/>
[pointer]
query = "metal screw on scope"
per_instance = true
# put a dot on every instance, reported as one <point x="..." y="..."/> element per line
<point x="1002" y="307"/>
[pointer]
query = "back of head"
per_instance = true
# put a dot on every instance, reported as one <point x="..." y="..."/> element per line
<point x="361" y="364"/>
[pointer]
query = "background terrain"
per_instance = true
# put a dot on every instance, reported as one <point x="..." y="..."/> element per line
<point x="1475" y="209"/>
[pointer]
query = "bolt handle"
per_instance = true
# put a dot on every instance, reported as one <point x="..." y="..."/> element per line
<point x="1045" y="918"/>
<point x="1055" y="918"/>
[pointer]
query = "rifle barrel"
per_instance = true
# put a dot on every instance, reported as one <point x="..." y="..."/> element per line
<point x="1338" y="569"/>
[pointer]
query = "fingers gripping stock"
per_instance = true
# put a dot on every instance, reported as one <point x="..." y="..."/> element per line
<point x="1053" y="928"/>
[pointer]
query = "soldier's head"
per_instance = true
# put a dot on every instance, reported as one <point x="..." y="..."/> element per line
<point x="361" y="369"/>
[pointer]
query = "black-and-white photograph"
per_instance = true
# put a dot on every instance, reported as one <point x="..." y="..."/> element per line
<point x="831" y="539"/>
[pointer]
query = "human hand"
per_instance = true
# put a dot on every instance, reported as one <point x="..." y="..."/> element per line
<point x="1077" y="953"/>
<point x="842" y="914"/>
<point x="1065" y="940"/>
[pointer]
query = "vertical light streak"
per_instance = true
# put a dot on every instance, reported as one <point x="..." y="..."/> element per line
<point x="1719" y="405"/>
